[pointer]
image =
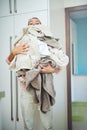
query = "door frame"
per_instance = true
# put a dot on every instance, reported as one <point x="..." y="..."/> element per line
<point x="67" y="31"/>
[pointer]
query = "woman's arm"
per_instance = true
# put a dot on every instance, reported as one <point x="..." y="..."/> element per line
<point x="21" y="49"/>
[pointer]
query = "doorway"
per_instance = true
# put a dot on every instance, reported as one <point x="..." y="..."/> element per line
<point x="76" y="79"/>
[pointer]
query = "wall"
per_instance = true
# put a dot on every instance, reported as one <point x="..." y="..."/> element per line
<point x="70" y="3"/>
<point x="57" y="25"/>
<point x="82" y="45"/>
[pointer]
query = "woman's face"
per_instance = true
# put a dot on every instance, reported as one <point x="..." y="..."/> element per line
<point x="34" y="21"/>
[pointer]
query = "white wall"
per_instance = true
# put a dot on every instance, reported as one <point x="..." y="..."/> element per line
<point x="57" y="25"/>
<point x="70" y="3"/>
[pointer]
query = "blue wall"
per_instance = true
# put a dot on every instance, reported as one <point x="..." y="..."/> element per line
<point x="82" y="45"/>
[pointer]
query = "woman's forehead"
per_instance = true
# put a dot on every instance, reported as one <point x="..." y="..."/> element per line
<point x="34" y="20"/>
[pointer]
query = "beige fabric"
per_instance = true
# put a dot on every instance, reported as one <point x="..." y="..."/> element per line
<point x="41" y="85"/>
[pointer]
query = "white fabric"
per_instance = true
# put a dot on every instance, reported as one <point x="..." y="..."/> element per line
<point x="43" y="48"/>
<point x="28" y="111"/>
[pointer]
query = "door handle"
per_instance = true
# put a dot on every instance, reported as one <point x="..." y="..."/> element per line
<point x="17" y="112"/>
<point x="15" y="6"/>
<point x="11" y="85"/>
<point x="10" y="7"/>
<point x="11" y="89"/>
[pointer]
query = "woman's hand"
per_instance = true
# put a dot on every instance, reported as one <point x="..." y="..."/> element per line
<point x="49" y="69"/>
<point x="21" y="49"/>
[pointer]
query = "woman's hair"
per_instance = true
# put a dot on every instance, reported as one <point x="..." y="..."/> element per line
<point x="33" y="18"/>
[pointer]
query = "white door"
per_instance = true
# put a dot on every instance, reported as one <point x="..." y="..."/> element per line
<point x="10" y="7"/>
<point x="9" y="28"/>
<point x="5" y="7"/>
<point x="32" y="5"/>
<point x="6" y="34"/>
